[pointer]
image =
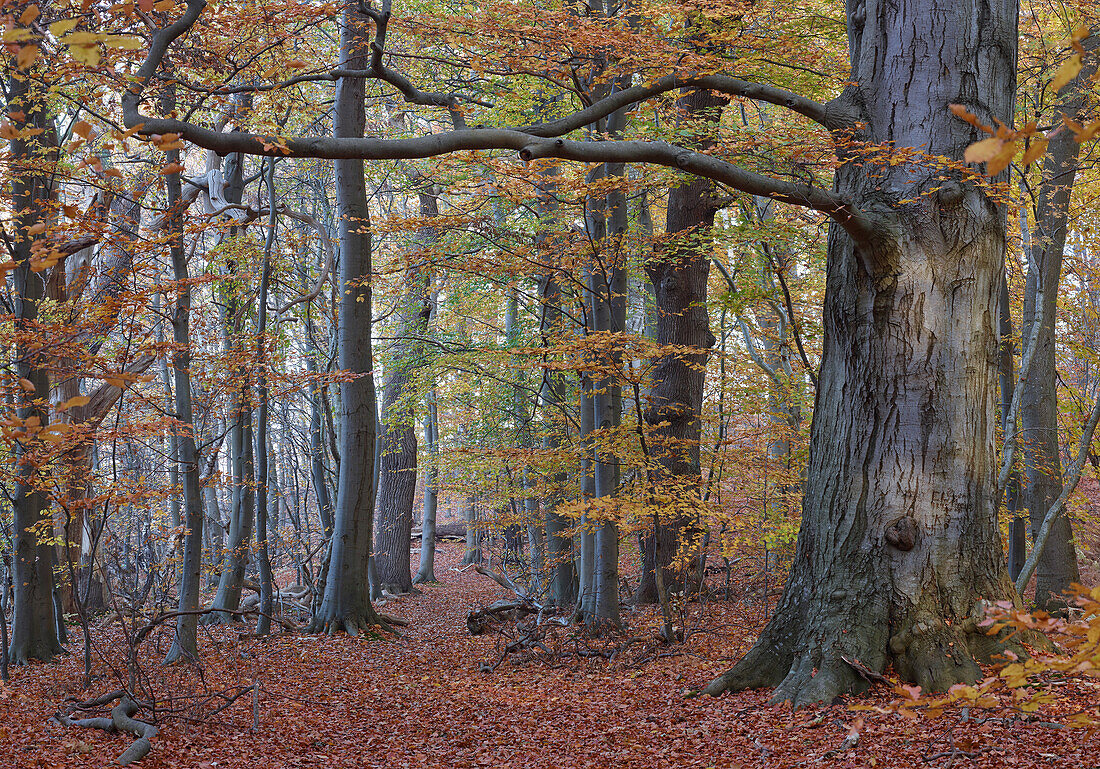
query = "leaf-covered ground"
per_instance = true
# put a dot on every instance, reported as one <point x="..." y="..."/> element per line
<point x="422" y="700"/>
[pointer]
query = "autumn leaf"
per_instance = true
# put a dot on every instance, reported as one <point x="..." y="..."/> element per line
<point x="1069" y="69"/>
<point x="27" y="56"/>
<point x="983" y="151"/>
<point x="1035" y="150"/>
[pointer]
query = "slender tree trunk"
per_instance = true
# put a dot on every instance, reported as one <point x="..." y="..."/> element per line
<point x="473" y="533"/>
<point x="185" y="642"/>
<point x="263" y="623"/>
<point x="426" y="571"/>
<point x="1017" y="525"/>
<point x="899" y="551"/>
<point x="1058" y="568"/>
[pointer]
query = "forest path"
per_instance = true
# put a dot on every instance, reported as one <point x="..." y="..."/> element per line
<point x="421" y="701"/>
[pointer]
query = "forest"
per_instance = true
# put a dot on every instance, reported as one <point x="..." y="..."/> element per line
<point x="549" y="384"/>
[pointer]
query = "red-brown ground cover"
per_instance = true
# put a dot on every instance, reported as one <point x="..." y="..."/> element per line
<point x="421" y="701"/>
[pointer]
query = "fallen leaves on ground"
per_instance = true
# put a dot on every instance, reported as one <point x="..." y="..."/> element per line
<point x="420" y="701"/>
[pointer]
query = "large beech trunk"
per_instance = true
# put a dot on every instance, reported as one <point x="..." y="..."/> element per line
<point x="899" y="550"/>
<point x="346" y="604"/>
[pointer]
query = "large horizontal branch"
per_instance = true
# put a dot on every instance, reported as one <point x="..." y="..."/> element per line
<point x="530" y="142"/>
<point x="529" y="147"/>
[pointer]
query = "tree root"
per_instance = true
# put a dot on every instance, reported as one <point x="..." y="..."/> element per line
<point x="765" y="665"/>
<point x="121" y="720"/>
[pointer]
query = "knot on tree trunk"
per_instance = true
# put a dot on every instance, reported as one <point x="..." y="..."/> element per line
<point x="902" y="533"/>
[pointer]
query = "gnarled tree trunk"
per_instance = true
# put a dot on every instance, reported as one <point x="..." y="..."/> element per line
<point x="899" y="550"/>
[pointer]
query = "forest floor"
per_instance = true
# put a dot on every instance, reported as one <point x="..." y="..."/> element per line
<point x="422" y="700"/>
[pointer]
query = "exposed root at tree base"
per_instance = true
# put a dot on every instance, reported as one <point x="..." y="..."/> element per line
<point x="930" y="654"/>
<point x="366" y="624"/>
<point x="121" y="720"/>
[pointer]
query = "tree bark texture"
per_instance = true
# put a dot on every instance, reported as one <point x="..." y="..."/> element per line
<point x="679" y="278"/>
<point x="34" y="627"/>
<point x="397" y="470"/>
<point x="899" y="552"/>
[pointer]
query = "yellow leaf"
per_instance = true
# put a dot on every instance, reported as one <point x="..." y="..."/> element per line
<point x="59" y="28"/>
<point x="29" y="15"/>
<point x="1002" y="160"/>
<point x="124" y="42"/>
<point x="27" y="56"/>
<point x="1035" y="151"/>
<point x="1066" y="72"/>
<point x="86" y="54"/>
<point x="983" y="151"/>
<point x="16" y="35"/>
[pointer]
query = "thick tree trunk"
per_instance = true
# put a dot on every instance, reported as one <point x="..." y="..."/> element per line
<point x="34" y="627"/>
<point x="346" y="604"/>
<point x="397" y="471"/>
<point x="899" y="552"/>
<point x="679" y="278"/>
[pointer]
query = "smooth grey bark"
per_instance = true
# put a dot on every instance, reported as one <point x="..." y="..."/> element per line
<point x="899" y="552"/>
<point x="562" y="574"/>
<point x="605" y="276"/>
<point x="426" y="571"/>
<point x="398" y="460"/>
<point x="346" y="604"/>
<point x="1038" y="407"/>
<point x="34" y="625"/>
<point x="185" y="643"/>
<point x="317" y="472"/>
<point x="242" y="515"/>
<point x="678" y="274"/>
<point x="1006" y="359"/>
<point x="473" y="533"/>
<point x="263" y="623"/>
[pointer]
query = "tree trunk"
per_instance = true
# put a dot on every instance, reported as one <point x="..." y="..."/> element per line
<point x="1038" y="407"/>
<point x="34" y="627"/>
<point x="346" y="604"/>
<point x="185" y="642"/>
<point x="473" y="533"/>
<point x="426" y="571"/>
<point x="899" y="552"/>
<point x="679" y="278"/>
<point x="397" y="471"/>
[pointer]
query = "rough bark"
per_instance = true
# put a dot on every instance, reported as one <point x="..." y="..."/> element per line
<point x="397" y="471"/>
<point x="899" y="551"/>
<point x="34" y="627"/>
<point x="679" y="278"/>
